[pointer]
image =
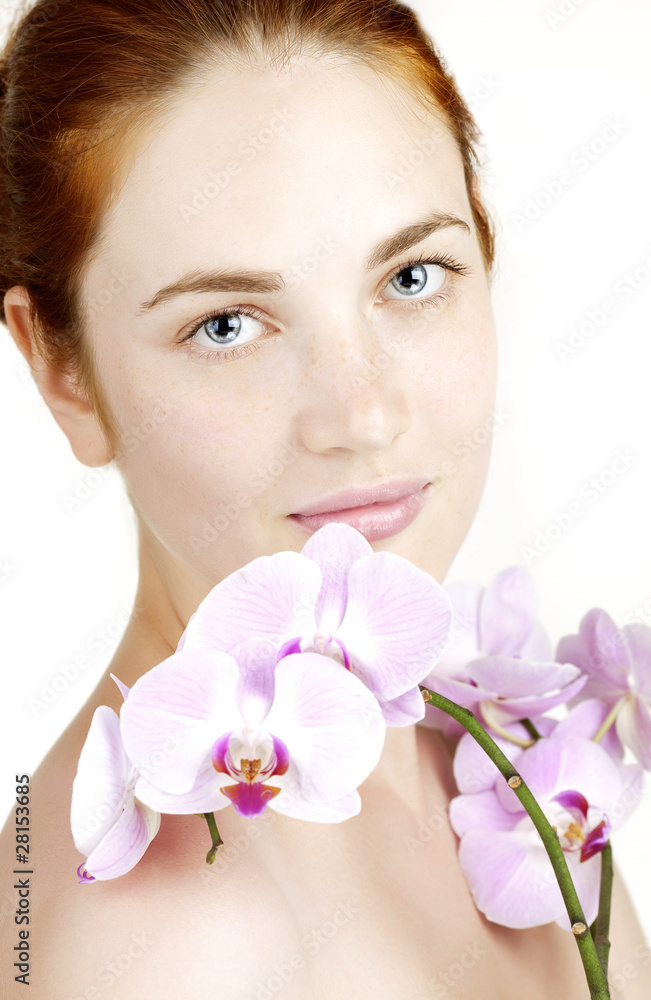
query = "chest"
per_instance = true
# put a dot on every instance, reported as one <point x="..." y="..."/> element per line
<point x="388" y="917"/>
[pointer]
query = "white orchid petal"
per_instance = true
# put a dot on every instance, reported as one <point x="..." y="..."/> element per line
<point x="330" y="722"/>
<point x="396" y="625"/>
<point x="175" y="712"/>
<point x="272" y="596"/>
<point x="124" y="845"/>
<point x="99" y="788"/>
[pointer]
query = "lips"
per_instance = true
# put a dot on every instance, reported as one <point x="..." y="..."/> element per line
<point x="360" y="496"/>
<point x="376" y="513"/>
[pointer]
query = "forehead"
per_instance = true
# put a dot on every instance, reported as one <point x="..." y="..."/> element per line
<point x="257" y="164"/>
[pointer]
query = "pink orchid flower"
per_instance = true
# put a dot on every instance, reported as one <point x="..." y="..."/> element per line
<point x="109" y="823"/>
<point x="385" y="619"/>
<point x="499" y="655"/>
<point x="585" y="792"/>
<point x="618" y="665"/>
<point x="298" y="735"/>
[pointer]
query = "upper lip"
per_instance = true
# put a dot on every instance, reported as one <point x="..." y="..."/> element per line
<point x="362" y="496"/>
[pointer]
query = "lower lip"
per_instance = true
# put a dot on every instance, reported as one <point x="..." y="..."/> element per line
<point x="377" y="520"/>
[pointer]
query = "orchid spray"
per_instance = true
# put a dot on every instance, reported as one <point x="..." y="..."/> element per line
<point x="290" y="670"/>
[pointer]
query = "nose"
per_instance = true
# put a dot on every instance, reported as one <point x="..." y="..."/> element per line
<point x="354" y="395"/>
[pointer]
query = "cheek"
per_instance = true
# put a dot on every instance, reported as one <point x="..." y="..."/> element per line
<point x="197" y="458"/>
<point x="453" y="362"/>
<point x="454" y="377"/>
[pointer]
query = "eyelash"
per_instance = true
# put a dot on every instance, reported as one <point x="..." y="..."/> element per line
<point x="441" y="260"/>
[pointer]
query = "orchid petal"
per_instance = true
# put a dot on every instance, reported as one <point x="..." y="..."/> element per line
<point x="585" y="720"/>
<point x="123" y="687"/>
<point x="553" y="766"/>
<point x="507" y="612"/>
<point x="254" y="693"/>
<point x="599" y="650"/>
<point x="586" y="876"/>
<point x="331" y="723"/>
<point x="638" y="639"/>
<point x="272" y="596"/>
<point x="514" y="678"/>
<point x="396" y="624"/>
<point x="574" y="802"/>
<point x="465" y="636"/>
<point x="174" y="712"/>
<point x="99" y="788"/>
<point x="317" y="812"/>
<point x="537" y="646"/>
<point x="482" y="811"/>
<point x="204" y="796"/>
<point x="124" y="845"/>
<point x="335" y="547"/>
<point x="510" y="877"/>
<point x="250" y="799"/>
<point x="596" y="840"/>
<point x="404" y="710"/>
<point x="632" y="776"/>
<point x="634" y="729"/>
<point x="462" y="692"/>
<point x="523" y="708"/>
<point x="473" y="769"/>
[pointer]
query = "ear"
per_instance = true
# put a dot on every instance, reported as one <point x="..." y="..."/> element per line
<point x="69" y="407"/>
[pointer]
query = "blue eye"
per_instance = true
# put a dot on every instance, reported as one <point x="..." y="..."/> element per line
<point x="229" y="326"/>
<point x="424" y="275"/>
<point x="414" y="279"/>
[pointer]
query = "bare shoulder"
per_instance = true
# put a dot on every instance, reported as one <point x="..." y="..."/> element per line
<point x="172" y="926"/>
<point x="629" y="966"/>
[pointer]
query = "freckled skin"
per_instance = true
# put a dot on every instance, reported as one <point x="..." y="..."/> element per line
<point x="303" y="400"/>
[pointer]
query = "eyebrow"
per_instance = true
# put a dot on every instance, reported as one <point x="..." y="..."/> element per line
<point x="266" y="282"/>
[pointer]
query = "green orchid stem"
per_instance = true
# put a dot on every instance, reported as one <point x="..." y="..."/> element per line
<point x="592" y="966"/>
<point x="217" y="841"/>
<point x="601" y="925"/>
<point x="531" y="729"/>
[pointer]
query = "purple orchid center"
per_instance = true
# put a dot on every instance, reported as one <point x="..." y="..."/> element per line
<point x="250" y="759"/>
<point x="84" y="877"/>
<point x="320" y="642"/>
<point x="573" y="827"/>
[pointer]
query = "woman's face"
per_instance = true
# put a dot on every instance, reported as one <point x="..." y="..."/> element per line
<point x="348" y="370"/>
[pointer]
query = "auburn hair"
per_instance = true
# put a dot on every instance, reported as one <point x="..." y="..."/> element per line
<point x="82" y="80"/>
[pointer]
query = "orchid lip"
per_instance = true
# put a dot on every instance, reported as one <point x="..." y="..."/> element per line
<point x="354" y="497"/>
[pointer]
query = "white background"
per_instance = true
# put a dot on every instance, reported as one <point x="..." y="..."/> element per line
<point x="540" y="91"/>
